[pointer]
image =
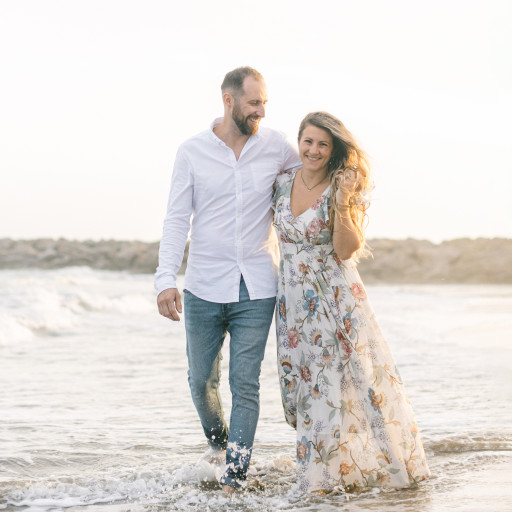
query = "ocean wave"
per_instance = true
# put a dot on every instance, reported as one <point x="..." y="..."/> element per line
<point x="35" y="311"/>
<point x="125" y="304"/>
<point x="71" y="492"/>
<point x="55" y="302"/>
<point x="190" y="486"/>
<point x="12" y="331"/>
<point x="193" y="487"/>
<point x="470" y="443"/>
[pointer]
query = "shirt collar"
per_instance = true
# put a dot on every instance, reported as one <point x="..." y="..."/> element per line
<point x="215" y="123"/>
<point x="216" y="139"/>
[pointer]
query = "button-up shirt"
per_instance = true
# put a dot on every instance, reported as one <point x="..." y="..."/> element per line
<point x="229" y="201"/>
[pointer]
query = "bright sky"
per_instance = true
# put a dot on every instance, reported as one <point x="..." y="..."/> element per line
<point x="96" y="96"/>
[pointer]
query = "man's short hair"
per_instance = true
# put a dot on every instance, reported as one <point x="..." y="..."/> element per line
<point x="234" y="80"/>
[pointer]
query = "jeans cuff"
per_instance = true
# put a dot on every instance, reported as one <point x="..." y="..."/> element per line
<point x="217" y="447"/>
<point x="236" y="482"/>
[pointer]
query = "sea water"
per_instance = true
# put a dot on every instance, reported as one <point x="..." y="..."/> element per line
<point x="95" y="411"/>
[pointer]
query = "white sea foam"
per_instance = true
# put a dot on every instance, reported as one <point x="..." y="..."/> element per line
<point x="48" y="311"/>
<point x="64" y="493"/>
<point x="125" y="305"/>
<point x="56" y="302"/>
<point x="197" y="473"/>
<point x="12" y="331"/>
<point x="471" y="443"/>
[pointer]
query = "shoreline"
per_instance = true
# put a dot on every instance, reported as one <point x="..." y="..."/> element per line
<point x="409" y="261"/>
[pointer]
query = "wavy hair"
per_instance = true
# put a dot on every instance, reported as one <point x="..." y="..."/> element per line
<point x="346" y="155"/>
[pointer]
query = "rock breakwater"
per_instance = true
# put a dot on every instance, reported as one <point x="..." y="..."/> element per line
<point x="462" y="260"/>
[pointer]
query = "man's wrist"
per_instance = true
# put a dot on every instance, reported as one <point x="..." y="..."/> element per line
<point x="161" y="287"/>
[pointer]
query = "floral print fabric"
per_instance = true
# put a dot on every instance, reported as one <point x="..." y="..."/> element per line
<point x="339" y="384"/>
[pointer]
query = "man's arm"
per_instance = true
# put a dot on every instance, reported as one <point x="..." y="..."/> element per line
<point x="291" y="159"/>
<point x="174" y="238"/>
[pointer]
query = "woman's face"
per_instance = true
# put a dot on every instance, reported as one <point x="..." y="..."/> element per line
<point x="315" y="149"/>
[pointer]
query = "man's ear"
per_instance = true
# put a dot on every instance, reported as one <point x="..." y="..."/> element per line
<point x="228" y="99"/>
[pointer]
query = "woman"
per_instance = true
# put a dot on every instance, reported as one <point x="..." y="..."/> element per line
<point x="340" y="387"/>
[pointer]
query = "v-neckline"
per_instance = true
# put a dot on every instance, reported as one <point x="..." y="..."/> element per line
<point x="321" y="196"/>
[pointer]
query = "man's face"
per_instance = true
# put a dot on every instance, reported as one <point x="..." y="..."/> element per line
<point x="249" y="107"/>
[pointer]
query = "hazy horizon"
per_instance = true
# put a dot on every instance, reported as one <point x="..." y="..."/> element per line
<point x="97" y="96"/>
<point x="137" y="240"/>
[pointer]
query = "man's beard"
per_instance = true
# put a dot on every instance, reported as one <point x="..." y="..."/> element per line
<point x="243" y="123"/>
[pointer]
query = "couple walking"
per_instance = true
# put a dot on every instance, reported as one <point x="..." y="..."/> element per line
<point x="340" y="387"/>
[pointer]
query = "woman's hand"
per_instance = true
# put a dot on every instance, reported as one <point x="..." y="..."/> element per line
<point x="347" y="183"/>
<point x="345" y="235"/>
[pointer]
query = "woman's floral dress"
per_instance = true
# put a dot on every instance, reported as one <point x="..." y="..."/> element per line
<point x="340" y="387"/>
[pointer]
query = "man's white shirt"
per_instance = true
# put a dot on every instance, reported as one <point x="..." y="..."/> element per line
<point x="226" y="205"/>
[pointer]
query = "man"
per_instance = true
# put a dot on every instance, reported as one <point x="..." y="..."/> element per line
<point x="224" y="178"/>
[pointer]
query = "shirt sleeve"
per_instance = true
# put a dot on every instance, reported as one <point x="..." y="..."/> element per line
<point x="291" y="159"/>
<point x="176" y="224"/>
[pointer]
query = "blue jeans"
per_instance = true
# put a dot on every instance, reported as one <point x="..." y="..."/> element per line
<point x="207" y="323"/>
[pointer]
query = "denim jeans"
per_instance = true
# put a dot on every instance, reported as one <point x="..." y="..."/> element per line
<point x="207" y="323"/>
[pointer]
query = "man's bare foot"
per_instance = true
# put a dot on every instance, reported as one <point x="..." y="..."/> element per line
<point x="215" y="457"/>
<point x="227" y="489"/>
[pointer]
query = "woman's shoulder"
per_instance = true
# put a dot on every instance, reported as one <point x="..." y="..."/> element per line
<point x="282" y="186"/>
<point x="285" y="177"/>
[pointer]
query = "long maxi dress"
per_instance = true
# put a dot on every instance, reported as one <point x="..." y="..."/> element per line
<point x="340" y="386"/>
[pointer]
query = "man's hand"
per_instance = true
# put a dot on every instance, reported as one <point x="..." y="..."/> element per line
<point x="169" y="304"/>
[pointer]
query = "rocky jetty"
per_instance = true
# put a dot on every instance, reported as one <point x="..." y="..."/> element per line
<point x="463" y="260"/>
<point x="133" y="256"/>
<point x="394" y="261"/>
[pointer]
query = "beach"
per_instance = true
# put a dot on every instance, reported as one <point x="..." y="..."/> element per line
<point x="97" y="416"/>
<point x="123" y="121"/>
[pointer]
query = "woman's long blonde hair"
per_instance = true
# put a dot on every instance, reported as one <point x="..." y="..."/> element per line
<point x="346" y="155"/>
